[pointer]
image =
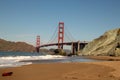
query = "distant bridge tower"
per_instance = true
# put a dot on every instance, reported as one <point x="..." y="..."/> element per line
<point x="37" y="43"/>
<point x="60" y="35"/>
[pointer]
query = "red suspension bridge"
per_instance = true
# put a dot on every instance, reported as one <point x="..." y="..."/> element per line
<point x="76" y="46"/>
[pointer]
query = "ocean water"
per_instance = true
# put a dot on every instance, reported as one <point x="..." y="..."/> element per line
<point x="14" y="59"/>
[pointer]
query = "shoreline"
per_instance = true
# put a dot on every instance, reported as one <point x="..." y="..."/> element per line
<point x="108" y="69"/>
<point x="104" y="58"/>
<point x="104" y="70"/>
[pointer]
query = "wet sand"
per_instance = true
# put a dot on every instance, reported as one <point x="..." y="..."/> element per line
<point x="106" y="70"/>
<point x="106" y="58"/>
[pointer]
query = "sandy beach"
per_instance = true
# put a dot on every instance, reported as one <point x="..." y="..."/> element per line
<point x="106" y="70"/>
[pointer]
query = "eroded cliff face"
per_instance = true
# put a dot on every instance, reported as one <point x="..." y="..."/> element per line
<point x="15" y="46"/>
<point x="107" y="44"/>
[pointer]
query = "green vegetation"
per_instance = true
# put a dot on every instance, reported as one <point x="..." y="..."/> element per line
<point x="60" y="52"/>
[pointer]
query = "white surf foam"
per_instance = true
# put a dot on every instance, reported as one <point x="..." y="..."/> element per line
<point x="13" y="61"/>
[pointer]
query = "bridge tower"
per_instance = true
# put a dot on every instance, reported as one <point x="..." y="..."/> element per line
<point x="37" y="43"/>
<point x="60" y="35"/>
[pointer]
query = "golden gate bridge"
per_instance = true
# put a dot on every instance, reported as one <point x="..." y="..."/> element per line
<point x="76" y="46"/>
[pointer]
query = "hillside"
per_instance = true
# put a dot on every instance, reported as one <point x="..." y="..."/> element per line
<point x="107" y="44"/>
<point x="15" y="46"/>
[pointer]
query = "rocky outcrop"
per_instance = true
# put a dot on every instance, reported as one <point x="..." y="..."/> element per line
<point x="107" y="44"/>
<point x="15" y="46"/>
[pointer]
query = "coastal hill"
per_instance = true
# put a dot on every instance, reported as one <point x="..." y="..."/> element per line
<point x="107" y="45"/>
<point x="15" y="46"/>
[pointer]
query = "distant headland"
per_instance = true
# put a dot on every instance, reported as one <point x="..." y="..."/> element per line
<point x="15" y="46"/>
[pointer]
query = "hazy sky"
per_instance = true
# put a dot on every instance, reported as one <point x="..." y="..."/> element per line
<point x="23" y="20"/>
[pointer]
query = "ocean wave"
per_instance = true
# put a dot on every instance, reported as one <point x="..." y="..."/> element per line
<point x="11" y="61"/>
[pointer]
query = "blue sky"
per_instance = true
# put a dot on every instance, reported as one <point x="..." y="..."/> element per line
<point x="23" y="20"/>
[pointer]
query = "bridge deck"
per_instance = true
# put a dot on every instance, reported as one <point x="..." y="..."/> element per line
<point x="65" y="43"/>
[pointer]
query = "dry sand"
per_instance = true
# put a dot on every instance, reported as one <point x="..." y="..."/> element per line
<point x="106" y="70"/>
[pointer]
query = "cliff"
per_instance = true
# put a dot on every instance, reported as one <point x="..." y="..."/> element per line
<point x="15" y="46"/>
<point x="107" y="44"/>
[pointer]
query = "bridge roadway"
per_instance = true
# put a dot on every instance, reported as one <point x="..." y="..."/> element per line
<point x="65" y="43"/>
<point x="74" y="44"/>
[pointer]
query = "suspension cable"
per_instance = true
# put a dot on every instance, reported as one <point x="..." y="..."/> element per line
<point x="54" y="35"/>
<point x="70" y="35"/>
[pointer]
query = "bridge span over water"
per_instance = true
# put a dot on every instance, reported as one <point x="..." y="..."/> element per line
<point x="76" y="46"/>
